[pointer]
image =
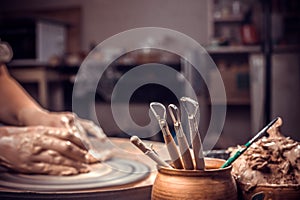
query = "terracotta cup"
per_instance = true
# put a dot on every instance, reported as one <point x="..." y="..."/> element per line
<point x="274" y="192"/>
<point x="213" y="183"/>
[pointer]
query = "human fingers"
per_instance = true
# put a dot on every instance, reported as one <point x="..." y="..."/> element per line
<point x="66" y="148"/>
<point x="53" y="157"/>
<point x="67" y="118"/>
<point x="91" y="159"/>
<point x="67" y="135"/>
<point x="71" y="123"/>
<point x="55" y="119"/>
<point x="73" y="137"/>
<point x="84" y="127"/>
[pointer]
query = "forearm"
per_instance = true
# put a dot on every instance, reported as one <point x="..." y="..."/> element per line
<point x="14" y="100"/>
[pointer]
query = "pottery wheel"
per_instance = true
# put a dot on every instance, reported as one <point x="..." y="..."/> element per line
<point x="114" y="172"/>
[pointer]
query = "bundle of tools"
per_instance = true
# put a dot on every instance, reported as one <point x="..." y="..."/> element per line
<point x="184" y="158"/>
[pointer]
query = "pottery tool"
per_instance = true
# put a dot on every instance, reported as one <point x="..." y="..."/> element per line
<point x="148" y="151"/>
<point x="169" y="141"/>
<point x="191" y="107"/>
<point x="248" y="144"/>
<point x="182" y="141"/>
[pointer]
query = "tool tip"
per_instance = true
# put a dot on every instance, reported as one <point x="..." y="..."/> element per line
<point x="134" y="139"/>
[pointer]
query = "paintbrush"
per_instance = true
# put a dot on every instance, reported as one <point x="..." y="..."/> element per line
<point x="248" y="144"/>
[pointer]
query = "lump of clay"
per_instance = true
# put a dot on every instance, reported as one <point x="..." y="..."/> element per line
<point x="271" y="160"/>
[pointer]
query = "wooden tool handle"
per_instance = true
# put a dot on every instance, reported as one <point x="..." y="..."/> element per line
<point x="173" y="151"/>
<point x="198" y="152"/>
<point x="139" y="144"/>
<point x="185" y="153"/>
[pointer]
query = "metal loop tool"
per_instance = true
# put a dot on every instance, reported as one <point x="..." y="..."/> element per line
<point x="181" y="138"/>
<point x="191" y="106"/>
<point x="159" y="111"/>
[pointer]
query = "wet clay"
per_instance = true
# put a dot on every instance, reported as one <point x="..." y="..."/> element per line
<point x="270" y="160"/>
<point x="43" y="150"/>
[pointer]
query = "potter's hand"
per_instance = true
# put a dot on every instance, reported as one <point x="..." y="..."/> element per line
<point x="84" y="128"/>
<point x="43" y="150"/>
<point x="36" y="117"/>
<point x="41" y="117"/>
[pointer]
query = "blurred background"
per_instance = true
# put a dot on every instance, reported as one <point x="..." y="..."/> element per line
<point x="255" y="44"/>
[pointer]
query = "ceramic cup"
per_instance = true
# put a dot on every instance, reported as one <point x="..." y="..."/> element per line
<point x="274" y="192"/>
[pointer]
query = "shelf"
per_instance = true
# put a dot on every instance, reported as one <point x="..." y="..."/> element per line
<point x="286" y="48"/>
<point x="249" y="49"/>
<point x="234" y="102"/>
<point x="232" y="49"/>
<point x="229" y="19"/>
